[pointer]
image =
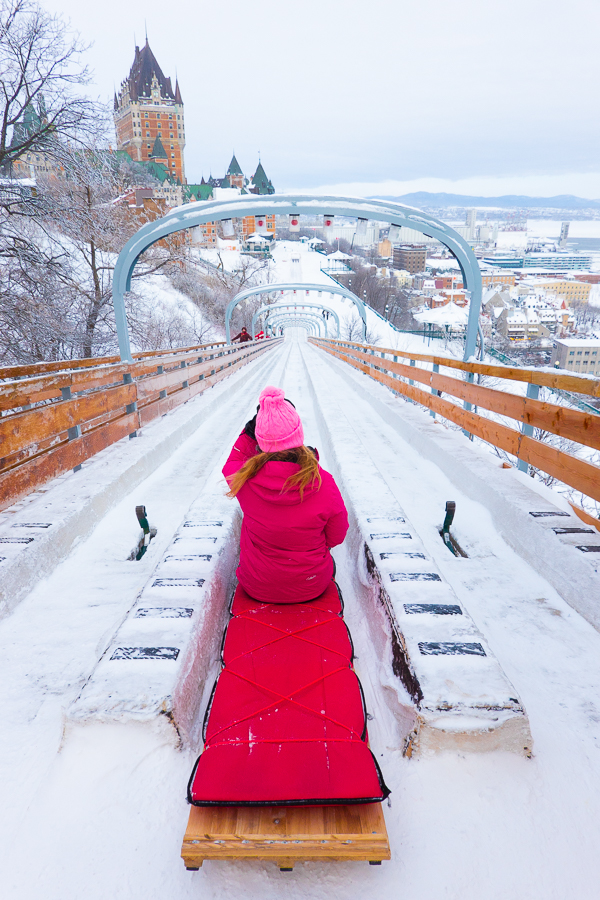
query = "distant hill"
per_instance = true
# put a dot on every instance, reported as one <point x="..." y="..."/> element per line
<point x="507" y="201"/>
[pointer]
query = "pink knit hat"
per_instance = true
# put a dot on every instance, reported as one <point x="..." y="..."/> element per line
<point x="278" y="425"/>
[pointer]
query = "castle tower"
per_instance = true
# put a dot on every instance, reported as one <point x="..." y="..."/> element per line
<point x="147" y="108"/>
<point x="234" y="175"/>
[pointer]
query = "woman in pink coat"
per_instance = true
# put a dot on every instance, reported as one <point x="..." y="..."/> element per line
<point x="293" y="510"/>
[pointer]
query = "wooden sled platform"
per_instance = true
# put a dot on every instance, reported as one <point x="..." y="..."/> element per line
<point x="286" y="835"/>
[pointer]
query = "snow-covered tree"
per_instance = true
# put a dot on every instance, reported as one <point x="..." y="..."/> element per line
<point x="41" y="72"/>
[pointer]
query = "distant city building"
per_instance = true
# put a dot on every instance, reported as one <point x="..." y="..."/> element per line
<point x="581" y="356"/>
<point x="148" y="115"/>
<point x="518" y="324"/>
<point x="233" y="183"/>
<point x="471" y="223"/>
<point x="33" y="163"/>
<point x="489" y="278"/>
<point x="568" y="289"/>
<point x="411" y="259"/>
<point x="554" y="262"/>
<point x="564" y="234"/>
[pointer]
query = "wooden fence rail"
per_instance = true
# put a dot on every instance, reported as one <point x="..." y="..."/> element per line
<point x="583" y="428"/>
<point x="52" y="421"/>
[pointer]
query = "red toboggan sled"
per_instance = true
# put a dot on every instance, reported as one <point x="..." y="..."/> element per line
<point x="286" y="772"/>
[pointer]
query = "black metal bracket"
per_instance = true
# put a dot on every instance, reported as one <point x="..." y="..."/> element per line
<point x="147" y="533"/>
<point x="445" y="532"/>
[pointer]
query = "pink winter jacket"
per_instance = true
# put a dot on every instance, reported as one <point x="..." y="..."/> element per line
<point x="284" y="547"/>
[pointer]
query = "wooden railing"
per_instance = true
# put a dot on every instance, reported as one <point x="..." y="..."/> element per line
<point x="54" y="416"/>
<point x="584" y="428"/>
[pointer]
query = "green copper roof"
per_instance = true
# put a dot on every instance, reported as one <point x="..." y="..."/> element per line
<point x="198" y="191"/>
<point x="158" y="151"/>
<point x="262" y="185"/>
<point x="234" y="167"/>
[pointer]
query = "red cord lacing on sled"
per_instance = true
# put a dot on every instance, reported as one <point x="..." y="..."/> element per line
<point x="287" y="664"/>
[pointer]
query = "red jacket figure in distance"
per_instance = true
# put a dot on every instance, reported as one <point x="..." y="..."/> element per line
<point x="242" y="337"/>
<point x="288" y="528"/>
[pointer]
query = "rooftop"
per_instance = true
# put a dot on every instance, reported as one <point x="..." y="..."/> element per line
<point x="144" y="68"/>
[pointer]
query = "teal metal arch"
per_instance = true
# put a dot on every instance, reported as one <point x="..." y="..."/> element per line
<point x="307" y="324"/>
<point x="275" y="306"/>
<point x="312" y="317"/>
<point x="305" y="321"/>
<point x="193" y="214"/>
<point x="334" y="288"/>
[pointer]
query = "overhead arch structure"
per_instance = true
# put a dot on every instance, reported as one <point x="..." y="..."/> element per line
<point x="312" y="318"/>
<point x="193" y="214"/>
<point x="294" y="306"/>
<point x="297" y="323"/>
<point x="308" y="326"/>
<point x="333" y="288"/>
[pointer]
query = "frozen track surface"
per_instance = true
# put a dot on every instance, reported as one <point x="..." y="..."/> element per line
<point x="98" y="811"/>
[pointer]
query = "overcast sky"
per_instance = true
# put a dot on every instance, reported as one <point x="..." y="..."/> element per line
<point x="372" y="96"/>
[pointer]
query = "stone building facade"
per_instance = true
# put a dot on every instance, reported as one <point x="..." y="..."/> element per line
<point x="147" y="110"/>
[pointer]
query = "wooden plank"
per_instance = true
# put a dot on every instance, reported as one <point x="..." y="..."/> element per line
<point x="577" y="473"/>
<point x="18" y="393"/>
<point x="34" y="463"/>
<point x="61" y="437"/>
<point x="569" y="469"/>
<point x="59" y="366"/>
<point x="560" y="379"/>
<point x="34" y="473"/>
<point x="14" y="394"/>
<point x="281" y="834"/>
<point x="152" y="406"/>
<point x="42" y="368"/>
<point x="569" y="423"/>
<point x="584" y="428"/>
<point x="27" y="429"/>
<point x="585" y="517"/>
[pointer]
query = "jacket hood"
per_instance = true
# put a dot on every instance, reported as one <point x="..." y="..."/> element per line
<point x="269" y="481"/>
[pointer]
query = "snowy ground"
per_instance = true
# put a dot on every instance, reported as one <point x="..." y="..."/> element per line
<point x="97" y="811"/>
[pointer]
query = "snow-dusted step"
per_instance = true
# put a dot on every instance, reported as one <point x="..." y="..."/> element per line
<point x="570" y="529"/>
<point x="462" y="698"/>
<point x="157" y="662"/>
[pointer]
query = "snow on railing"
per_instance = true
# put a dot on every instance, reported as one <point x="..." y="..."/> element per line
<point x="580" y="427"/>
<point x="54" y="416"/>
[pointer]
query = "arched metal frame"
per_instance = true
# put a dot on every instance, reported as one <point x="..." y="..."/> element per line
<point x="305" y="316"/>
<point x="283" y="321"/>
<point x="193" y="214"/>
<point x="308" y="324"/>
<point x="295" y="286"/>
<point x="275" y="306"/>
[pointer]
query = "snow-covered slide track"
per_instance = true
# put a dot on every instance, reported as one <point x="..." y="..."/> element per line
<point x="107" y="792"/>
<point x="460" y="694"/>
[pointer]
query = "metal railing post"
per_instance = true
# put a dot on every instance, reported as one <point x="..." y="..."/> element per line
<point x="436" y="369"/>
<point x="533" y="392"/>
<point x="130" y="407"/>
